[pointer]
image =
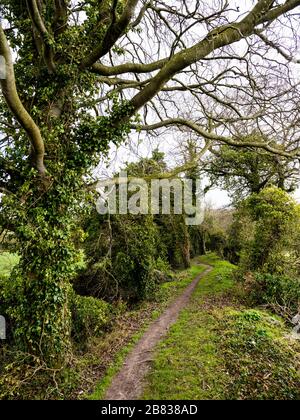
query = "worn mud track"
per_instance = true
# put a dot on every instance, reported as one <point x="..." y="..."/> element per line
<point x="128" y="383"/>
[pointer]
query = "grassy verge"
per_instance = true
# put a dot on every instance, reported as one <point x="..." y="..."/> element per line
<point x="261" y="363"/>
<point x="147" y="313"/>
<point x="230" y="351"/>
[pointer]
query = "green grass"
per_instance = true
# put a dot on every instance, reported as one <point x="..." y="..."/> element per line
<point x="219" y="280"/>
<point x="184" y="278"/>
<point x="230" y="352"/>
<point x="7" y="262"/>
<point x="198" y="375"/>
<point x="103" y="385"/>
<point x="180" y="370"/>
<point x="167" y="292"/>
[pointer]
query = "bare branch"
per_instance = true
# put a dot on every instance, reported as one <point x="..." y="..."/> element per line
<point x="219" y="37"/>
<point x="128" y="68"/>
<point x="276" y="47"/>
<point x="11" y="96"/>
<point x="215" y="137"/>
<point x="115" y="31"/>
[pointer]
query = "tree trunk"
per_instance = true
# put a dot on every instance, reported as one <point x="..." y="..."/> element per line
<point x="45" y="230"/>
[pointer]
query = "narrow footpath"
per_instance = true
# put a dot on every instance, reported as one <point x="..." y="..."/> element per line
<point x="128" y="383"/>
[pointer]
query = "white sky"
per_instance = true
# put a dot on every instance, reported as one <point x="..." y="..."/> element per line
<point x="218" y="198"/>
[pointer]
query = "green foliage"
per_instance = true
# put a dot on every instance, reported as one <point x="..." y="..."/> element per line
<point x="140" y="259"/>
<point x="90" y="317"/>
<point x="147" y="167"/>
<point x="245" y="171"/>
<point x="128" y="263"/>
<point x="239" y="233"/>
<point x="269" y="363"/>
<point x="174" y="243"/>
<point x="128" y="256"/>
<point x="175" y="239"/>
<point x="275" y="220"/>
<point x="266" y="236"/>
<point x="212" y="234"/>
<point x="43" y="212"/>
<point x="279" y="292"/>
<point x="45" y="222"/>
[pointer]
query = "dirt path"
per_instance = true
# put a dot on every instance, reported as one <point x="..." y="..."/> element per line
<point x="128" y="383"/>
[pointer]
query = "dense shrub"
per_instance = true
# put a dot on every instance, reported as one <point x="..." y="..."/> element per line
<point x="282" y="293"/>
<point x="90" y="317"/>
<point x="174" y="238"/>
<point x="240" y="233"/>
<point x="129" y="255"/>
<point x="198" y="241"/>
<point x="124" y="256"/>
<point x="267" y="242"/>
<point x="217" y="242"/>
<point x="8" y="301"/>
<point x="276" y="219"/>
<point x="212" y="234"/>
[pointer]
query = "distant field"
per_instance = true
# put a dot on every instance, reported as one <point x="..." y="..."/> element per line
<point x="7" y="262"/>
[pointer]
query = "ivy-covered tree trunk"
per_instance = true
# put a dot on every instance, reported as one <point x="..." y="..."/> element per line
<point x="45" y="180"/>
<point x="45" y="229"/>
<point x="42" y="317"/>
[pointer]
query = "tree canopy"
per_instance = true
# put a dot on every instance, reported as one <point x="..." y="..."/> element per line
<point x="245" y="171"/>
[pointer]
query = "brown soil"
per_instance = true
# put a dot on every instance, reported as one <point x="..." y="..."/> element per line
<point x="128" y="383"/>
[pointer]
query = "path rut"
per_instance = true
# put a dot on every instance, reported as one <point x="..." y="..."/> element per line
<point x="128" y="383"/>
